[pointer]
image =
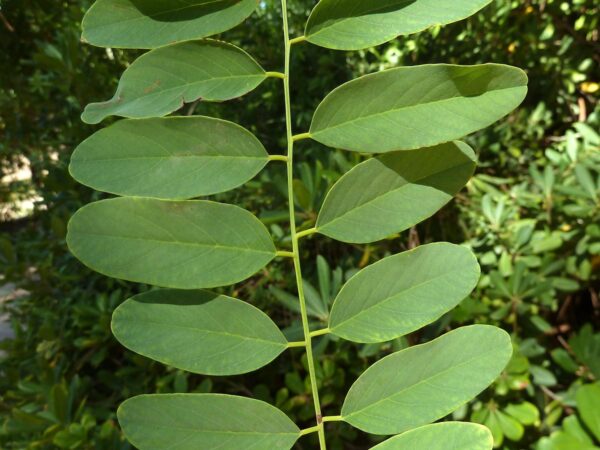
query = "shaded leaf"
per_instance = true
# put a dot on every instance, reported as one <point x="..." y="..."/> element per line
<point x="198" y="331"/>
<point x="441" y="436"/>
<point x="393" y="192"/>
<point x="355" y="25"/>
<point x="403" y="293"/>
<point x="162" y="80"/>
<point x="412" y="107"/>
<point x="154" y="23"/>
<point x="184" y="245"/>
<point x="205" y="421"/>
<point x="172" y="158"/>
<point x="424" y="383"/>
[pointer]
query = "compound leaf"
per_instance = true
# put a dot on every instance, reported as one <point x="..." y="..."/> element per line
<point x="170" y="158"/>
<point x="442" y="436"/>
<point x="198" y="331"/>
<point x="183" y="245"/>
<point x="413" y="107"/>
<point x="403" y="293"/>
<point x="154" y="23"/>
<point x="205" y="421"/>
<point x="162" y="80"/>
<point x="424" y="383"/>
<point x="355" y="25"/>
<point x="393" y="192"/>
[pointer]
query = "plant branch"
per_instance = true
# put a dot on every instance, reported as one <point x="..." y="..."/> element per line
<point x="295" y="247"/>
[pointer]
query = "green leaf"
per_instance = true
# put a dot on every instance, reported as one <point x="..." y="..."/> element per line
<point x="205" y="421"/>
<point x="355" y="25"/>
<point x="403" y="293"/>
<point x="393" y="192"/>
<point x="413" y="107"/>
<point x="588" y="402"/>
<point x="172" y="158"/>
<point x="441" y="436"/>
<point x="162" y="80"/>
<point x="154" y="23"/>
<point x="424" y="383"/>
<point x="184" y="245"/>
<point x="198" y="331"/>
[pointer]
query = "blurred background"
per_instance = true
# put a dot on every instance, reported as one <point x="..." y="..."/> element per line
<point x="531" y="214"/>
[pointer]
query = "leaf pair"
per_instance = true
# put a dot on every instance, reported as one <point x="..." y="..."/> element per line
<point x="403" y="391"/>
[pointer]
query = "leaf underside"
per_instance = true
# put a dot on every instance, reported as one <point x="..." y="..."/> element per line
<point x="172" y="158"/>
<point x="394" y="192"/>
<point x="163" y="80"/>
<point x="154" y="23"/>
<point x="198" y="331"/>
<point x="413" y="107"/>
<point x="183" y="245"/>
<point x="424" y="383"/>
<point x="403" y="292"/>
<point x="205" y="421"/>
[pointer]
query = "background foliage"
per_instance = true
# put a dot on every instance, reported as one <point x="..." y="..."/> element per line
<point x="532" y="215"/>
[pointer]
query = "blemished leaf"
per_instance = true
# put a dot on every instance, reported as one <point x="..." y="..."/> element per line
<point x="355" y="25"/>
<point x="205" y="421"/>
<point x="393" y="192"/>
<point x="413" y="107"/>
<point x="183" y="245"/>
<point x="441" y="436"/>
<point x="163" y="80"/>
<point x="169" y="158"/>
<point x="198" y="331"/>
<point x="588" y="402"/>
<point x="154" y="23"/>
<point x="403" y="293"/>
<point x="424" y="383"/>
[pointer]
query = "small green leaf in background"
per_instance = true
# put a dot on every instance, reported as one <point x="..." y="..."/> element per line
<point x="588" y="402"/>
<point x="424" y="383"/>
<point x="163" y="80"/>
<point x="412" y="107"/>
<point x="173" y="158"/>
<point x="441" y="436"/>
<point x="393" y="192"/>
<point x="154" y="23"/>
<point x="355" y="25"/>
<point x="198" y="331"/>
<point x="403" y="292"/>
<point x="205" y="421"/>
<point x="183" y="245"/>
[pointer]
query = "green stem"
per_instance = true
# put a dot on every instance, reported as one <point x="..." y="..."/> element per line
<point x="333" y="419"/>
<point x="295" y="249"/>
<point x="305" y="233"/>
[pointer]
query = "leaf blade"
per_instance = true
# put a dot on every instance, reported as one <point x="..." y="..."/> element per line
<point x="442" y="436"/>
<point x="402" y="293"/>
<point x="193" y="421"/>
<point x="350" y="25"/>
<point x="393" y="192"/>
<point x="416" y="107"/>
<point x="426" y="382"/>
<point x="198" y="331"/>
<point x="143" y="24"/>
<point x="183" y="245"/>
<point x="173" y="158"/>
<point x="162" y="80"/>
